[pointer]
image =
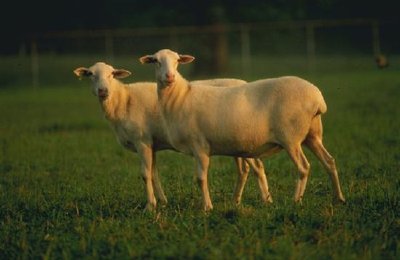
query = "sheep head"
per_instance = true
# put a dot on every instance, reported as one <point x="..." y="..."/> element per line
<point x="102" y="76"/>
<point x="166" y="65"/>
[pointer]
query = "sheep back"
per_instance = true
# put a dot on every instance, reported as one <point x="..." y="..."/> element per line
<point x="243" y="120"/>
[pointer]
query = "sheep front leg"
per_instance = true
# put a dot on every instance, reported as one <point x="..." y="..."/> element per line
<point x="157" y="183"/>
<point x="145" y="153"/>
<point x="259" y="171"/>
<point x="203" y="162"/>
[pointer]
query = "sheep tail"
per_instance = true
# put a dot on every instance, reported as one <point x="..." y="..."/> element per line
<point x="322" y="108"/>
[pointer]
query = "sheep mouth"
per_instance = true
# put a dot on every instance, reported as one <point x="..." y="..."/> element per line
<point x="169" y="82"/>
<point x="102" y="95"/>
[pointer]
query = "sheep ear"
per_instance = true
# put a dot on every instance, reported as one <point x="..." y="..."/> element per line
<point x="82" y="72"/>
<point x="120" y="73"/>
<point x="185" y="59"/>
<point x="147" y="59"/>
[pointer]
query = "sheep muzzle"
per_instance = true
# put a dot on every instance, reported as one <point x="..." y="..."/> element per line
<point x="102" y="93"/>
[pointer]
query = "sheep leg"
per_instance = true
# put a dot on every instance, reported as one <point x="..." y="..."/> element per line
<point x="243" y="172"/>
<point x="259" y="171"/>
<point x="303" y="167"/>
<point x="203" y="162"/>
<point x="145" y="153"/>
<point x="314" y="143"/>
<point x="157" y="183"/>
<point x="316" y="146"/>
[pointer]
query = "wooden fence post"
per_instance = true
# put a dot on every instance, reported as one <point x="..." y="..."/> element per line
<point x="375" y="38"/>
<point x="245" y="50"/>
<point x="310" y="46"/>
<point x="221" y="48"/>
<point x="173" y="38"/>
<point x="34" y="63"/>
<point x="109" y="46"/>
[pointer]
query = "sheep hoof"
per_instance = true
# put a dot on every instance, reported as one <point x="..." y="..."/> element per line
<point x="163" y="201"/>
<point x="299" y="200"/>
<point x="269" y="199"/>
<point x="150" y="208"/>
<point x="237" y="200"/>
<point x="340" y="200"/>
<point x="207" y="208"/>
<point x="163" y="204"/>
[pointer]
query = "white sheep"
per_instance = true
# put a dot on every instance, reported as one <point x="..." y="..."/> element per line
<point x="133" y="113"/>
<point x="252" y="120"/>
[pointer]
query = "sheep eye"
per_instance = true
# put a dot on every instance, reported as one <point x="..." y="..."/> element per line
<point x="158" y="63"/>
<point x="87" y="73"/>
<point x="151" y="60"/>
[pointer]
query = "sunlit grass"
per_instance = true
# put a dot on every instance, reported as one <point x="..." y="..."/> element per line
<point x="68" y="190"/>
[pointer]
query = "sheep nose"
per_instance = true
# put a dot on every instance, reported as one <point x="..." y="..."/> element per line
<point x="169" y="76"/>
<point x="102" y="92"/>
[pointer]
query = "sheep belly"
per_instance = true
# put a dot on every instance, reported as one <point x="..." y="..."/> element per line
<point x="241" y="140"/>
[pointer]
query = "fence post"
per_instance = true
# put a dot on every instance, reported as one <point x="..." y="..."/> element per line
<point x="245" y="49"/>
<point x="375" y="38"/>
<point x="173" y="38"/>
<point x="310" y="46"/>
<point x="34" y="63"/>
<point x="221" y="48"/>
<point x="109" y="46"/>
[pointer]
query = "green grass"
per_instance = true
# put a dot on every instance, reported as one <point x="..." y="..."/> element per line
<point x="68" y="190"/>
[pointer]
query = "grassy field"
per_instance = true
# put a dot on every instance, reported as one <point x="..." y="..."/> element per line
<point x="68" y="190"/>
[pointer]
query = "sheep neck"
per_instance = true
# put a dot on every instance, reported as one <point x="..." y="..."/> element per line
<point x="172" y="97"/>
<point x="115" y="105"/>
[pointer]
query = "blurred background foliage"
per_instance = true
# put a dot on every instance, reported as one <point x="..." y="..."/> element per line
<point x="26" y="17"/>
<point x="43" y="40"/>
<point x="38" y="16"/>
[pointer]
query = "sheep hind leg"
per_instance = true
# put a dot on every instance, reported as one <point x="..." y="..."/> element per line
<point x="316" y="146"/>
<point x="297" y="155"/>
<point x="243" y="169"/>
<point x="259" y="171"/>
<point x="314" y="143"/>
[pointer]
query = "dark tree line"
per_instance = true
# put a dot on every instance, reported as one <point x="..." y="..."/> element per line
<point x="26" y="16"/>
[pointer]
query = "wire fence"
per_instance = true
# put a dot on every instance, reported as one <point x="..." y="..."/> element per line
<point x="220" y="47"/>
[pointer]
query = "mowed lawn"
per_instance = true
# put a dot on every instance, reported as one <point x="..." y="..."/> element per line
<point x="68" y="190"/>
